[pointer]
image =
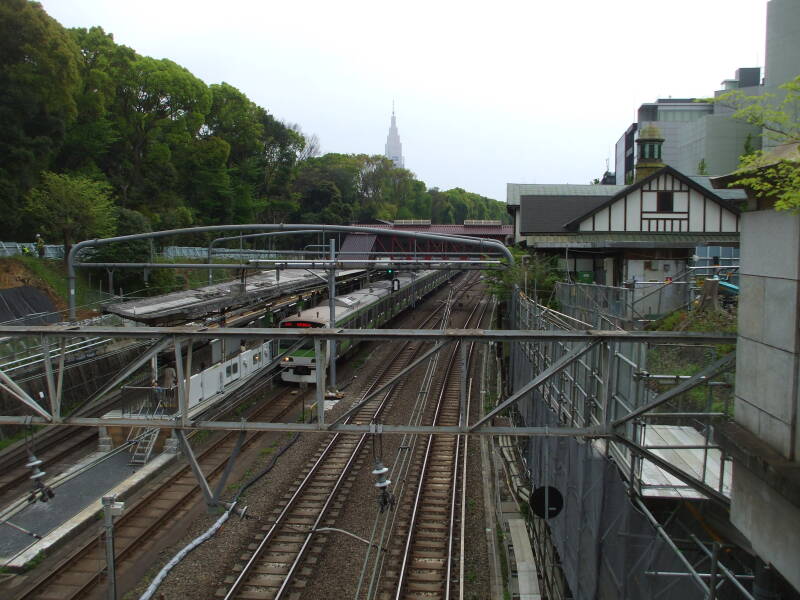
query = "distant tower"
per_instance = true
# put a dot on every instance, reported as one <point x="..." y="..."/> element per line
<point x="649" y="161"/>
<point x="394" y="150"/>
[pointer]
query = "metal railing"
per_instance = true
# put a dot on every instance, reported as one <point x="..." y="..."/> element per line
<point x="606" y="385"/>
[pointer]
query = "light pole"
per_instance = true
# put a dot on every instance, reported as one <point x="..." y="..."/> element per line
<point x="111" y="509"/>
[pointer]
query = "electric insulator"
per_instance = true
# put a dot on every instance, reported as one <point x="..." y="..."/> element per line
<point x="33" y="464"/>
<point x="380" y="472"/>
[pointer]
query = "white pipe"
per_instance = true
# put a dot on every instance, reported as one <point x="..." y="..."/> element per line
<point x="151" y="589"/>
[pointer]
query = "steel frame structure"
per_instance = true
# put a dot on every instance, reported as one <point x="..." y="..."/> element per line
<point x="165" y="337"/>
<point x="72" y="262"/>
<point x="603" y="384"/>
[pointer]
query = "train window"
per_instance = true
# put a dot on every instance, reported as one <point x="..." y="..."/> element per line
<point x="235" y="368"/>
<point x="256" y="358"/>
<point x="228" y="371"/>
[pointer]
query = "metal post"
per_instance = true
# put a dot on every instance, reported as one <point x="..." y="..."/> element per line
<point x="183" y="405"/>
<point x="198" y="472"/>
<point x="154" y="369"/>
<point x="55" y="400"/>
<point x="319" y="359"/>
<point x="332" y="307"/>
<point x="111" y="508"/>
<point x="463" y="416"/>
<point x="60" y="381"/>
<point x="712" y="584"/>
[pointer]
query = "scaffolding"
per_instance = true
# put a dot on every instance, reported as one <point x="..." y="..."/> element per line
<point x="632" y="525"/>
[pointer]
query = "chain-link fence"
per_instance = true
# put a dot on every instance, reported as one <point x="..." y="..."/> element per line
<point x="29" y="249"/>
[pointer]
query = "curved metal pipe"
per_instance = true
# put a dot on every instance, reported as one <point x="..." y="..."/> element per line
<point x="243" y="237"/>
<point x="294" y="228"/>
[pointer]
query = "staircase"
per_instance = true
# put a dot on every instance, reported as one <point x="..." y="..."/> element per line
<point x="143" y="439"/>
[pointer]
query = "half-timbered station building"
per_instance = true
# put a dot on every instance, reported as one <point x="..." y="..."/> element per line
<point x="612" y="234"/>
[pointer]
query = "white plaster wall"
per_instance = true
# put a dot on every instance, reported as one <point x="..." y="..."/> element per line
<point x="712" y="216"/>
<point x="696" y="201"/>
<point x="601" y="220"/>
<point x="634" y="217"/>
<point x="618" y="216"/>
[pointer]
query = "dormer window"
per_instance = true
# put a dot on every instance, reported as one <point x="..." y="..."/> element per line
<point x="664" y="202"/>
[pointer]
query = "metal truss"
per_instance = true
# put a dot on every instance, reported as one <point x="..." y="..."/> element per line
<point x="176" y="337"/>
<point x="483" y="245"/>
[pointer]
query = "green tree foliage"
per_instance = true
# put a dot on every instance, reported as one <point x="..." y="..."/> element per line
<point x="371" y="187"/>
<point x="85" y="118"/>
<point x="39" y="79"/>
<point x="773" y="176"/>
<point x="71" y="208"/>
<point x="532" y="273"/>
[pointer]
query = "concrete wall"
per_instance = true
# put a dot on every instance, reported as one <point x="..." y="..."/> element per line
<point x="765" y="505"/>
<point x="768" y="360"/>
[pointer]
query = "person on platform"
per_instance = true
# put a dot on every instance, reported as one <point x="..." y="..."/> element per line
<point x="40" y="245"/>
<point x="168" y="379"/>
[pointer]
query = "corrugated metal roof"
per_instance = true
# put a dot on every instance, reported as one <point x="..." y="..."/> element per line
<point x="516" y="190"/>
<point x="358" y="246"/>
<point x="472" y="230"/>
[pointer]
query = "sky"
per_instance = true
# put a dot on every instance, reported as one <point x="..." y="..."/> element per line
<point x="485" y="93"/>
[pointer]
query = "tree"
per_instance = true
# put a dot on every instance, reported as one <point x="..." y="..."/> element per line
<point x="102" y="65"/>
<point x="71" y="208"/>
<point x="38" y="79"/>
<point x="159" y="108"/>
<point x="773" y="175"/>
<point x="536" y="272"/>
<point x="702" y="169"/>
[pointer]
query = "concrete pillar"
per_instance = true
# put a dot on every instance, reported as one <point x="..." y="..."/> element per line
<point x="769" y="326"/>
<point x="765" y="440"/>
<point x="104" y="441"/>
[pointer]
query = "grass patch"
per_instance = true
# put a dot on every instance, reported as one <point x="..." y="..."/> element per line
<point x="504" y="572"/>
<point x="688" y="360"/>
<point x="19" y="435"/>
<point x="52" y="274"/>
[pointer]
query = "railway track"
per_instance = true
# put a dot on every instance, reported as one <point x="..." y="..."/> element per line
<point x="78" y="574"/>
<point x="424" y="552"/>
<point x="275" y="567"/>
<point x="57" y="447"/>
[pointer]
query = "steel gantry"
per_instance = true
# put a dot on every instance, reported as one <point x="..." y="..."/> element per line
<point x="163" y="338"/>
<point x="483" y="246"/>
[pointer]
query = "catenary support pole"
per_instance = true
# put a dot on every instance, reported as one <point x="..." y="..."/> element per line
<point x="108" y="514"/>
<point x="332" y="308"/>
<point x="319" y="360"/>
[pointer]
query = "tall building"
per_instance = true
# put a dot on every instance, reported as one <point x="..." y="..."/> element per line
<point x="394" y="150"/>
<point x="700" y="138"/>
<point x="783" y="49"/>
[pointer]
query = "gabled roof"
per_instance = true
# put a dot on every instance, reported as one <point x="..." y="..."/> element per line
<point x="514" y="191"/>
<point x="706" y="191"/>
<point x="548" y="213"/>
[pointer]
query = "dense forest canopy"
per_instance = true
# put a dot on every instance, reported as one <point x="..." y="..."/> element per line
<point x="90" y="126"/>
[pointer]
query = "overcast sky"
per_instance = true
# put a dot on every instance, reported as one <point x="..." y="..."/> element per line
<point x="486" y="93"/>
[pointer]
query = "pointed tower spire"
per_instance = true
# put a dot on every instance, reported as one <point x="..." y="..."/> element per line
<point x="394" y="150"/>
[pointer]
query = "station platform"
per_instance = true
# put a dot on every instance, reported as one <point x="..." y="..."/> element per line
<point x="77" y="501"/>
